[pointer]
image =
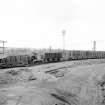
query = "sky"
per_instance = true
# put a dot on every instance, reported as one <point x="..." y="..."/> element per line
<point x="39" y="23"/>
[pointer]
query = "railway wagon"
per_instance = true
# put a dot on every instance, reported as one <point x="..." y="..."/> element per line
<point x="52" y="57"/>
<point x="103" y="55"/>
<point x="18" y="60"/>
<point x="77" y="55"/>
<point x="72" y="55"/>
<point x="65" y="55"/>
<point x="15" y="61"/>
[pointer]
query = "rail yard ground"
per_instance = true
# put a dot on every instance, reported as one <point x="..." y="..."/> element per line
<point x="79" y="82"/>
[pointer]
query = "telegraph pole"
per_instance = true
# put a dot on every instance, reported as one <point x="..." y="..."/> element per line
<point x="63" y="34"/>
<point x="3" y="46"/>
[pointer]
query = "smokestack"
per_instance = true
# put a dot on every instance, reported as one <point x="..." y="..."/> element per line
<point x="63" y="34"/>
<point x="94" y="46"/>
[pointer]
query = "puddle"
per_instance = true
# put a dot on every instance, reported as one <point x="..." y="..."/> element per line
<point x="11" y="95"/>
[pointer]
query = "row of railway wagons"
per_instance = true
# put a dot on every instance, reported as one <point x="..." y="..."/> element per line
<point x="73" y="55"/>
<point x="25" y="60"/>
<point x="87" y="54"/>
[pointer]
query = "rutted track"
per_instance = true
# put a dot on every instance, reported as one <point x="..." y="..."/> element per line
<point x="75" y="64"/>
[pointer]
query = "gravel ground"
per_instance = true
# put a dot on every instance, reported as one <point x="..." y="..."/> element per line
<point x="64" y="83"/>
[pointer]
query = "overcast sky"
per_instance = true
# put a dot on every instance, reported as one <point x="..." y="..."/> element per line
<point x="39" y="23"/>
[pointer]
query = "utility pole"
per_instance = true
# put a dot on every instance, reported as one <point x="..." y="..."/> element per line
<point x="94" y="46"/>
<point x="3" y="46"/>
<point x="63" y="34"/>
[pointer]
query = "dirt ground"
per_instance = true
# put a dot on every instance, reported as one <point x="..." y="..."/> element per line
<point x="64" y="83"/>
